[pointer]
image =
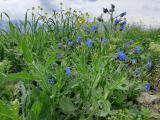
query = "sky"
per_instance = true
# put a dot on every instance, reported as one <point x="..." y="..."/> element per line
<point x="138" y="11"/>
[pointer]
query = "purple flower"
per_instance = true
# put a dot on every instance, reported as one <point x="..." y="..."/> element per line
<point x="147" y="86"/>
<point x="68" y="71"/>
<point x="137" y="49"/>
<point x="51" y="81"/>
<point x="121" y="55"/>
<point x="89" y="42"/>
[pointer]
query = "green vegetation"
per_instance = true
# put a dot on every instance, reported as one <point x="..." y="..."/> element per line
<point x="62" y="67"/>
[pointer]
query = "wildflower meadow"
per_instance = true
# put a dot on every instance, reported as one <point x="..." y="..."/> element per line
<point x="61" y="66"/>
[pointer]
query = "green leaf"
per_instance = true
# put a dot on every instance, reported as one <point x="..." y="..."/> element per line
<point x="71" y="85"/>
<point x="8" y="112"/>
<point x="104" y="108"/>
<point x="26" y="52"/>
<point x="66" y="105"/>
<point x="21" y="76"/>
<point x="36" y="109"/>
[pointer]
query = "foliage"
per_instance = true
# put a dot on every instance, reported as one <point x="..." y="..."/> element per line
<point x="64" y="67"/>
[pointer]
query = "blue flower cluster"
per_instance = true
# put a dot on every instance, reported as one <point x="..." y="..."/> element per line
<point x="117" y="21"/>
<point x="121" y="55"/>
<point x="123" y="25"/>
<point x="89" y="43"/>
<point x="59" y="55"/>
<point x="134" y="61"/>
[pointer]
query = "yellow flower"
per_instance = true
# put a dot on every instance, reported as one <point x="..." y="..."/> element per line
<point x="81" y="20"/>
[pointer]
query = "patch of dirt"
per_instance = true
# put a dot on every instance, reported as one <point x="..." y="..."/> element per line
<point x="151" y="100"/>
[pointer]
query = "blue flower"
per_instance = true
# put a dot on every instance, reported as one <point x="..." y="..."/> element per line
<point x="117" y="21"/>
<point x="122" y="28"/>
<point x="147" y="86"/>
<point x="134" y="61"/>
<point x="121" y="55"/>
<point x="103" y="40"/>
<point x="89" y="42"/>
<point x="70" y="43"/>
<point x="123" y="25"/>
<point x="68" y="71"/>
<point x="137" y="49"/>
<point x="51" y="81"/>
<point x="78" y="39"/>
<point x="94" y="28"/>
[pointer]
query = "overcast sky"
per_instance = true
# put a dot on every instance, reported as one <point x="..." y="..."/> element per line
<point x="146" y="11"/>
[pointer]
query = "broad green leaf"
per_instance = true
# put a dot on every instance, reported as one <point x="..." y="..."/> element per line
<point x="26" y="52"/>
<point x="66" y="105"/>
<point x="105" y="107"/>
